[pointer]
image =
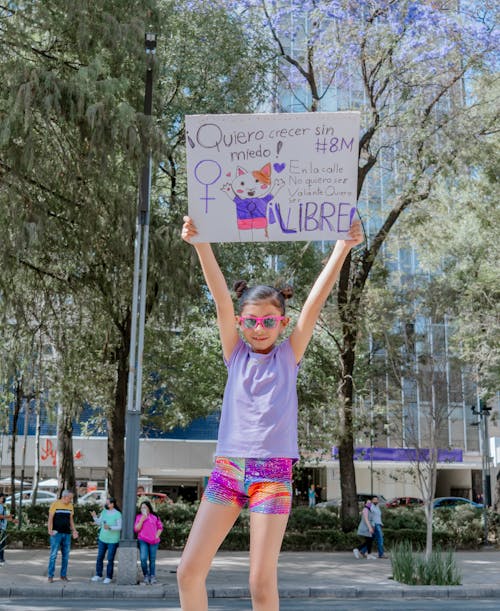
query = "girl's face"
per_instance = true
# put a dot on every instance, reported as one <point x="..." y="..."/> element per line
<point x="260" y="338"/>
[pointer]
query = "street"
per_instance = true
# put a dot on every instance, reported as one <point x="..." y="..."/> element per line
<point x="232" y="604"/>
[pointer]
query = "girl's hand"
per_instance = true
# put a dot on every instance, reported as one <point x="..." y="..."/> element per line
<point x="188" y="229"/>
<point x="354" y="237"/>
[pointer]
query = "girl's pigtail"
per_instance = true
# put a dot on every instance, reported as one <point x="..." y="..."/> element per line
<point x="239" y="287"/>
<point x="286" y="292"/>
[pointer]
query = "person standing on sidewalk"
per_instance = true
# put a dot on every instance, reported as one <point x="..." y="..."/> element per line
<point x="148" y="527"/>
<point x="257" y="441"/>
<point x="61" y="528"/>
<point x="108" y="540"/>
<point x="365" y="530"/>
<point x="378" y="533"/>
<point x="311" y="494"/>
<point x="4" y="518"/>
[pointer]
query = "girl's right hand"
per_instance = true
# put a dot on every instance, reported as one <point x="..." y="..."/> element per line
<point x="188" y="229"/>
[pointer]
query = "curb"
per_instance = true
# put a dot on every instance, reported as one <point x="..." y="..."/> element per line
<point x="170" y="592"/>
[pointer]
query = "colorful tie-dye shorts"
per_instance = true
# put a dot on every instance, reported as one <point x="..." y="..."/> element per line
<point x="265" y="483"/>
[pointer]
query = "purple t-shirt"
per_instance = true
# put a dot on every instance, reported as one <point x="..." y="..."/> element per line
<point x="259" y="410"/>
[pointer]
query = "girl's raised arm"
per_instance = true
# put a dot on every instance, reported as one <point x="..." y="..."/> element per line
<point x="301" y="335"/>
<point x="218" y="288"/>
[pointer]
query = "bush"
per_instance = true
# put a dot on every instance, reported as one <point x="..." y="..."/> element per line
<point x="308" y="529"/>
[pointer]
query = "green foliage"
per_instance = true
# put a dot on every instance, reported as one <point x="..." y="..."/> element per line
<point x="308" y="529"/>
<point x="461" y="524"/>
<point x="302" y="519"/>
<point x="403" y="563"/>
<point x="72" y="141"/>
<point x="404" y="517"/>
<point x="438" y="569"/>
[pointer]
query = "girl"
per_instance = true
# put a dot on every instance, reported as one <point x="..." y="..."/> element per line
<point x="148" y="527"/>
<point x="108" y="540"/>
<point x="257" y="441"/>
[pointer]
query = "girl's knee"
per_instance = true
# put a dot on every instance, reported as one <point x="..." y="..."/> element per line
<point x="188" y="575"/>
<point x="263" y="587"/>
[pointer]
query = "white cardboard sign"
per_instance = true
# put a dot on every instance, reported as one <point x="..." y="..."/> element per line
<point x="272" y="177"/>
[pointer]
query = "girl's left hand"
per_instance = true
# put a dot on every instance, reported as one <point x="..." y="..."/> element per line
<point x="355" y="235"/>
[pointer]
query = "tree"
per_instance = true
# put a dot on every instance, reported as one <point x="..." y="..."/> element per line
<point x="462" y="265"/>
<point x="403" y="63"/>
<point x="71" y="146"/>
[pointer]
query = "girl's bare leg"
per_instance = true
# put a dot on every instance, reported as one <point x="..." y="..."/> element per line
<point x="210" y="527"/>
<point x="266" y="536"/>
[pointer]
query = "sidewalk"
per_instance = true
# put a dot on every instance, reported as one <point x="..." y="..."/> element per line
<point x="301" y="575"/>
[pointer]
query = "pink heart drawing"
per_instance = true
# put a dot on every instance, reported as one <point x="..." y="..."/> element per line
<point x="279" y="167"/>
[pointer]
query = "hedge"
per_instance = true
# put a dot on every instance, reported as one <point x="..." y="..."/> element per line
<point x="308" y="529"/>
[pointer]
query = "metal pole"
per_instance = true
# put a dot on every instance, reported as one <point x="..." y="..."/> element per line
<point x="487" y="480"/>
<point x="128" y="548"/>
<point x="484" y="463"/>
<point x="483" y="412"/>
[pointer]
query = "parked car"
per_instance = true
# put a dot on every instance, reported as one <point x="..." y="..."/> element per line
<point x="95" y="497"/>
<point x="42" y="497"/>
<point x="98" y="497"/>
<point x="454" y="501"/>
<point x="362" y="498"/>
<point x="404" y="501"/>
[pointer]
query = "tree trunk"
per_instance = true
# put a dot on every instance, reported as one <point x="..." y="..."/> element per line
<point x="349" y="506"/>
<point x="348" y="302"/>
<point x="66" y="465"/>
<point x="116" y="420"/>
<point x="15" y="421"/>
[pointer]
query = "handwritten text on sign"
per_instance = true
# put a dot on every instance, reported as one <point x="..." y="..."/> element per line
<point x="273" y="177"/>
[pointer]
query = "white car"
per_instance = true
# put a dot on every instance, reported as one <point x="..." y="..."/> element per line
<point x="95" y="497"/>
<point x="42" y="497"/>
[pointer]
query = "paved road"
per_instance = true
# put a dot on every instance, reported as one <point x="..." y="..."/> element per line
<point x="232" y="604"/>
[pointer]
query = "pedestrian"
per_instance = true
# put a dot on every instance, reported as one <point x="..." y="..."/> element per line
<point x="378" y="533"/>
<point x="108" y="540"/>
<point x="311" y="494"/>
<point x="257" y="442"/>
<point x="148" y="527"/>
<point x="365" y="530"/>
<point x="61" y="528"/>
<point x="4" y="518"/>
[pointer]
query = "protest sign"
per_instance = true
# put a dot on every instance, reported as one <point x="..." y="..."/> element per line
<point x="272" y="177"/>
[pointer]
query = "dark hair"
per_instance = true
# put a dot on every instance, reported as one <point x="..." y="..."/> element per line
<point x="2" y="496"/>
<point x="112" y="499"/>
<point x="262" y="292"/>
<point x="149" y="506"/>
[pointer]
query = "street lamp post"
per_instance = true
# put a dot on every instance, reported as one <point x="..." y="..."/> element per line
<point x="483" y="412"/>
<point x="128" y="546"/>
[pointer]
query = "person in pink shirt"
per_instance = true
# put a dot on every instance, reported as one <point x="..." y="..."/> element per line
<point x="148" y="527"/>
